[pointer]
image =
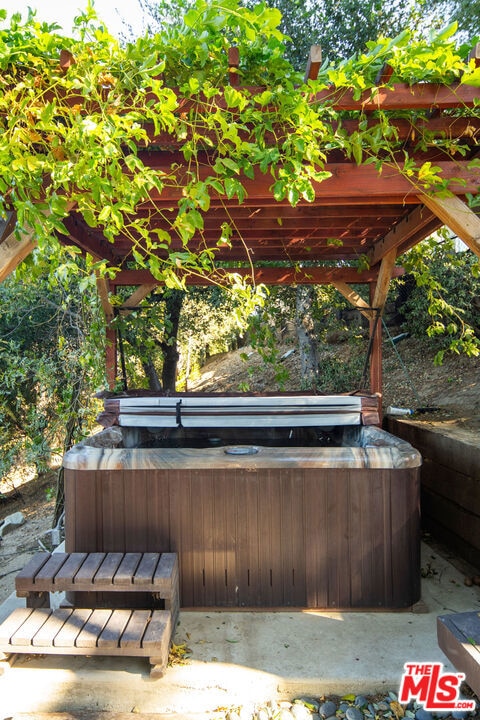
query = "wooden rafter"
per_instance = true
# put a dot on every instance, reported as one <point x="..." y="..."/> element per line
<point x="405" y="234"/>
<point x="464" y="128"/>
<point x="233" y="66"/>
<point x="456" y="214"/>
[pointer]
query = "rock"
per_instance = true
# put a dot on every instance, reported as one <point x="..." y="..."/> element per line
<point x="111" y="437"/>
<point x="327" y="708"/>
<point x="360" y="701"/>
<point x="301" y="712"/>
<point x="11" y="522"/>
<point x="353" y="713"/>
<point x="309" y="703"/>
<point x="262" y="714"/>
<point x="422" y="714"/>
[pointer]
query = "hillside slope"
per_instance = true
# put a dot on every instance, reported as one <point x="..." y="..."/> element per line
<point x="411" y="380"/>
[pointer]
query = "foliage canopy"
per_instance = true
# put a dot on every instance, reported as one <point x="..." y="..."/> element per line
<point x="72" y="130"/>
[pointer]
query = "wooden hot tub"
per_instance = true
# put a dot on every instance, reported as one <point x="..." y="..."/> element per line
<point x="316" y="510"/>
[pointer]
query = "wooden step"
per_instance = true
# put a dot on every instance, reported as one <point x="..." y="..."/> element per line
<point x="155" y="573"/>
<point x="129" y="633"/>
<point x="95" y="572"/>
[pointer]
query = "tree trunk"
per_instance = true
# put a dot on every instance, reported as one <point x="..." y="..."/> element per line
<point x="173" y="309"/>
<point x="306" y="336"/>
<point x="151" y="375"/>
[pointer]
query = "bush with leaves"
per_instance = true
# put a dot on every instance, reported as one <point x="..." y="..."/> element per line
<point x="51" y="357"/>
<point x="445" y="302"/>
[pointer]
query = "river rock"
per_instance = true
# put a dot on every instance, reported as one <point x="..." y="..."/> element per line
<point x="327" y="708"/>
<point x="360" y="701"/>
<point x="310" y="703"/>
<point x="11" y="522"/>
<point x="353" y="713"/>
<point x="422" y="714"/>
<point x="300" y="712"/>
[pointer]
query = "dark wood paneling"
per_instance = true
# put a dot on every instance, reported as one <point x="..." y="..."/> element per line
<point x="450" y="482"/>
<point x="274" y="538"/>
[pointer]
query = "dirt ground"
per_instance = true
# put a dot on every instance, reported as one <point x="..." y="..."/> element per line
<point x="453" y="388"/>
<point x="32" y="496"/>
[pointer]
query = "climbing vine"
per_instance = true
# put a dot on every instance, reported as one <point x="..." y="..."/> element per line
<point x="77" y="114"/>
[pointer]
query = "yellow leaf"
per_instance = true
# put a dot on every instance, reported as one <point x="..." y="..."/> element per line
<point x="397" y="709"/>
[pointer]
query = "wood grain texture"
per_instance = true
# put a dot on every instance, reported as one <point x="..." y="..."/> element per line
<point x="276" y="537"/>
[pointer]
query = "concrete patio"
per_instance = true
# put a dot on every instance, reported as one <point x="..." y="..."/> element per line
<point x="247" y="658"/>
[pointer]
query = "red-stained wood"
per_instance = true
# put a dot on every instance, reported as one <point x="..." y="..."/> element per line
<point x="348" y="181"/>
<point x="111" y="357"/>
<point x="233" y="66"/>
<point x="314" y="63"/>
<point x="376" y="356"/>
<point x="400" y="96"/>
<point x="26" y="576"/>
<point x="271" y="276"/>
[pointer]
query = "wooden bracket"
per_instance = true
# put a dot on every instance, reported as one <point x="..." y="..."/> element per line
<point x="137" y="296"/>
<point x="383" y="282"/>
<point x="355" y="299"/>
<point x="461" y="219"/>
<point x="13" y="250"/>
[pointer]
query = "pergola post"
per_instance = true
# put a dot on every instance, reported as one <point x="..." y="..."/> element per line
<point x="103" y="290"/>
<point x="111" y="357"/>
<point x="376" y="376"/>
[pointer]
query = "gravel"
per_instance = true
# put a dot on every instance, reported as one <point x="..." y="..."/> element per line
<point x="349" y="707"/>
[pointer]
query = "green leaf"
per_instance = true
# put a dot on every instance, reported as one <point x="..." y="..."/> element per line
<point x="471" y="78"/>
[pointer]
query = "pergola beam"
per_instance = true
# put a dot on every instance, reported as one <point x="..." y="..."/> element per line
<point x="461" y="219"/>
<point x="347" y="183"/>
<point x="265" y="276"/>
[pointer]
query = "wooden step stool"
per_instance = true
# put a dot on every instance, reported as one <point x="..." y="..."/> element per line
<point x="95" y="631"/>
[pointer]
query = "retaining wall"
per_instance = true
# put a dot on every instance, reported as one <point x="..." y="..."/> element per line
<point x="450" y="484"/>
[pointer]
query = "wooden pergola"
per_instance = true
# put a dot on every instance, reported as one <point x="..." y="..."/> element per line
<point x="359" y="212"/>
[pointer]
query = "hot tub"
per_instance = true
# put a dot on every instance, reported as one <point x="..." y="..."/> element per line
<point x="312" y="509"/>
